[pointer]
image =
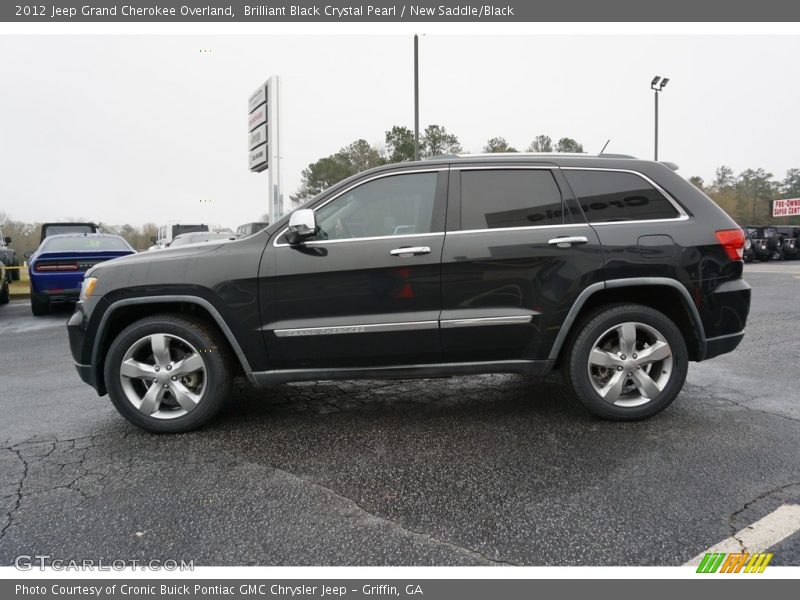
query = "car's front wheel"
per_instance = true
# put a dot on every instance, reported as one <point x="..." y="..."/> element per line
<point x="168" y="373"/>
<point x="627" y="362"/>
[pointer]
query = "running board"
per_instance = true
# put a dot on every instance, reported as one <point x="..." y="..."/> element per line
<point x="531" y="368"/>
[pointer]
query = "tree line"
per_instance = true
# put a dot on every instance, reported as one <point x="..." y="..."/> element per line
<point x="25" y="236"/>
<point x="398" y="147"/>
<point x="748" y="196"/>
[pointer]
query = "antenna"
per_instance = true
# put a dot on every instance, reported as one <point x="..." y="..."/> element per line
<point x="608" y="141"/>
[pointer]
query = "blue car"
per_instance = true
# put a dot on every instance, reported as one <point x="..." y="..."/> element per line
<point x="57" y="267"/>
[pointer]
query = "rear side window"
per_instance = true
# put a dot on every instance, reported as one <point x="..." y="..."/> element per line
<point x="495" y="198"/>
<point x="608" y="196"/>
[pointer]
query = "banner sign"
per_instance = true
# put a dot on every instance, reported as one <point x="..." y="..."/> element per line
<point x="786" y="208"/>
<point x="391" y="11"/>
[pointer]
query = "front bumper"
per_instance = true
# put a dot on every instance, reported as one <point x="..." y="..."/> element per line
<point x="81" y="353"/>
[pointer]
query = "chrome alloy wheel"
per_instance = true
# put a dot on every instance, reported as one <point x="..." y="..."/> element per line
<point x="630" y="364"/>
<point x="163" y="376"/>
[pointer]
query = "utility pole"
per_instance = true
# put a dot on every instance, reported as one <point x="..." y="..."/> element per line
<point x="654" y="85"/>
<point x="416" y="97"/>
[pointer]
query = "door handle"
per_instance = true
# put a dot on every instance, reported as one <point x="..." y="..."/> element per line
<point x="567" y="241"/>
<point x="410" y="251"/>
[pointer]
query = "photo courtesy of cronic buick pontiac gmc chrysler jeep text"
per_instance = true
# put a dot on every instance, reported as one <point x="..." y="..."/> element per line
<point x="614" y="270"/>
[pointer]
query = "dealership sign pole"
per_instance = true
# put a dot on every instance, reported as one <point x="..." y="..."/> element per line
<point x="790" y="207"/>
<point x="263" y="141"/>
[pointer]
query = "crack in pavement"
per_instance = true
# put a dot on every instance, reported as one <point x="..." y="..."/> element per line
<point x="716" y="396"/>
<point x="10" y="515"/>
<point x="413" y="532"/>
<point x="734" y="516"/>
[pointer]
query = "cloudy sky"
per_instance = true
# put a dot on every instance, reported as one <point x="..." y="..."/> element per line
<point x="149" y="128"/>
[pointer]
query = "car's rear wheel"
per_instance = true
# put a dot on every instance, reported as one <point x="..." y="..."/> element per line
<point x="168" y="373"/>
<point x="627" y="362"/>
<point x="39" y="306"/>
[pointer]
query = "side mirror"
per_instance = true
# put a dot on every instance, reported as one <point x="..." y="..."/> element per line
<point x="7" y="240"/>
<point x="302" y="225"/>
<point x="28" y="254"/>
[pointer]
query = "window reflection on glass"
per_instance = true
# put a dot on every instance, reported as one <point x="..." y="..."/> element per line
<point x="396" y="205"/>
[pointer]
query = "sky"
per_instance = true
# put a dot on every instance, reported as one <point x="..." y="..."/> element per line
<point x="135" y="129"/>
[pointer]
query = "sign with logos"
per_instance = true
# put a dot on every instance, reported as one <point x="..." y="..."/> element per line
<point x="257" y="98"/>
<point x="259" y="158"/>
<point x="263" y="141"/>
<point x="257" y="137"/>
<point x="789" y="207"/>
<point x="257" y="117"/>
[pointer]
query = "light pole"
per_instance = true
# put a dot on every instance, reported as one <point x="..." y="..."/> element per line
<point x="657" y="88"/>
<point x="416" y="97"/>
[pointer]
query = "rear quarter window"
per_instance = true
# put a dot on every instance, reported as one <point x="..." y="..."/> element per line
<point x="610" y="196"/>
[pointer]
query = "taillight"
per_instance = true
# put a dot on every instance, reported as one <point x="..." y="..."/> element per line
<point x="50" y="267"/>
<point x="732" y="241"/>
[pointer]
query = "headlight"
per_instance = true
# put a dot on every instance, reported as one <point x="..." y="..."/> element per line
<point x="87" y="288"/>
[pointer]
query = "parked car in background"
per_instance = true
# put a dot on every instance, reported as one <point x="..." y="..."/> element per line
<point x="199" y="237"/>
<point x="8" y="257"/>
<point x="615" y="271"/>
<point x="791" y="241"/>
<point x="749" y="254"/>
<point x="765" y="242"/>
<point x="168" y="232"/>
<point x="57" y="267"/>
<point x="49" y="229"/>
<point x="250" y="228"/>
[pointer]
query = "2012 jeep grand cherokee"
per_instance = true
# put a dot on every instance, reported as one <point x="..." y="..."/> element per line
<point x="616" y="271"/>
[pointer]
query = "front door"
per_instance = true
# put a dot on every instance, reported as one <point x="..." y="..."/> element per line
<point x="366" y="290"/>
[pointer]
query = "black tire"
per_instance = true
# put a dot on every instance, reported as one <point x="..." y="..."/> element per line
<point x="576" y="360"/>
<point x="4" y="298"/>
<point x="39" y="306"/>
<point x="212" y="348"/>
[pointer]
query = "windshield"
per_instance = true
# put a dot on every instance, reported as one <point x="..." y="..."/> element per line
<point x="200" y="237"/>
<point x="85" y="244"/>
<point x="179" y="229"/>
<point x="68" y="228"/>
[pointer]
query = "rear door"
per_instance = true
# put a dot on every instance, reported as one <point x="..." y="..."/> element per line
<point x="517" y="254"/>
<point x="367" y="290"/>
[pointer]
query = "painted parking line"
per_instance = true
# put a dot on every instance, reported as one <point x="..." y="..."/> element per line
<point x="761" y="535"/>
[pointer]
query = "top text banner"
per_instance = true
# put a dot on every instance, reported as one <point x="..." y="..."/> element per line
<point x="387" y="11"/>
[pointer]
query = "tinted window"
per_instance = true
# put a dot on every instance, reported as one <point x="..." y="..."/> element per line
<point x="614" y="196"/>
<point x="85" y="244"/>
<point x="59" y="229"/>
<point x="396" y="205"/>
<point x="179" y="229"/>
<point x="509" y="198"/>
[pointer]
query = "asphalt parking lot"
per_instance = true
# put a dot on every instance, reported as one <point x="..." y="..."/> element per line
<point x="474" y="470"/>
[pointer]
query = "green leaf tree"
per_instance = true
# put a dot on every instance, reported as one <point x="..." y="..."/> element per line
<point x="541" y="143"/>
<point x="566" y="144"/>
<point x="498" y="144"/>
<point x="436" y="140"/>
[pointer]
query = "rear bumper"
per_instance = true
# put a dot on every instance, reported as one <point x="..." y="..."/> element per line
<point x="722" y="344"/>
<point x="724" y="314"/>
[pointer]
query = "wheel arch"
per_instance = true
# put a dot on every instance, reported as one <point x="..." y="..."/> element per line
<point x="123" y="312"/>
<point x="661" y="293"/>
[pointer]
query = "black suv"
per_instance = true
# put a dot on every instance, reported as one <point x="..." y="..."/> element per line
<point x="765" y="243"/>
<point x="790" y="241"/>
<point x="616" y="271"/>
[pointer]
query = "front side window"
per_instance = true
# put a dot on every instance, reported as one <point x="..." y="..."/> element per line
<point x="389" y="206"/>
<point x="494" y="198"/>
<point x="608" y="196"/>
